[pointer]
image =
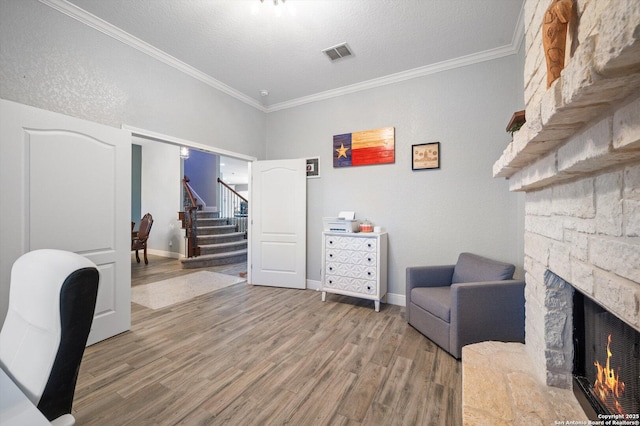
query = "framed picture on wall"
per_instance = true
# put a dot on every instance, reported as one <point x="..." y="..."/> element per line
<point x="425" y="156"/>
<point x="366" y="147"/>
<point x="313" y="167"/>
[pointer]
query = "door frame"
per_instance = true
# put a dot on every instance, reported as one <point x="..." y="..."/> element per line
<point x="171" y="140"/>
<point x="159" y="137"/>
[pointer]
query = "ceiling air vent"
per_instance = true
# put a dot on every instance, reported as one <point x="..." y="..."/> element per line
<point x="337" y="52"/>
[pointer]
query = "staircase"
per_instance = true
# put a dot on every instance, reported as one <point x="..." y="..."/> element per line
<point x="219" y="242"/>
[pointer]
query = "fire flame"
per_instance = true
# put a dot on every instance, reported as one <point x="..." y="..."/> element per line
<point x="608" y="386"/>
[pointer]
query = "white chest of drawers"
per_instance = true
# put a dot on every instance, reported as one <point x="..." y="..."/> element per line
<point x="355" y="265"/>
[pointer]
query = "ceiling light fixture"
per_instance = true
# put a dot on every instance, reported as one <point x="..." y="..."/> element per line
<point x="278" y="12"/>
<point x="184" y="152"/>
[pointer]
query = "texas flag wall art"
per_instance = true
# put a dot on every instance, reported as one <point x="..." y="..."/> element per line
<point x="364" y="148"/>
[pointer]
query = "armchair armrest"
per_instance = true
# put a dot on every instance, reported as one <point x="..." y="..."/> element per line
<point x="428" y="276"/>
<point x="492" y="310"/>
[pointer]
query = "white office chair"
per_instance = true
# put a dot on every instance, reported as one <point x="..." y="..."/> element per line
<point x="52" y="300"/>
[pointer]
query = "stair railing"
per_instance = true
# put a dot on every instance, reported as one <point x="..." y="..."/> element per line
<point x="188" y="217"/>
<point x="233" y="207"/>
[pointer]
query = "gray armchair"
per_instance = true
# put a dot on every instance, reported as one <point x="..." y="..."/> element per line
<point x="473" y="301"/>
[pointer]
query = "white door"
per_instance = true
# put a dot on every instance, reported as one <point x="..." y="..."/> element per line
<point x="278" y="223"/>
<point x="66" y="184"/>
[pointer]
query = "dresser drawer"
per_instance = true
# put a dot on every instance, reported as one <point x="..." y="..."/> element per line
<point x="350" y="257"/>
<point x="353" y="285"/>
<point x="350" y="270"/>
<point x="352" y="243"/>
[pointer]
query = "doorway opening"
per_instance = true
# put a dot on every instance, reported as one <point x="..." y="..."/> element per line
<point x="157" y="171"/>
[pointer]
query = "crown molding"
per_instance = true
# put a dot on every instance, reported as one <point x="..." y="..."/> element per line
<point x="398" y="77"/>
<point x="116" y="33"/>
<point x="475" y="58"/>
<point x="104" y="27"/>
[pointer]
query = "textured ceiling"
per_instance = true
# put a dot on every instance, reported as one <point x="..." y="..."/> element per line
<point x="252" y="46"/>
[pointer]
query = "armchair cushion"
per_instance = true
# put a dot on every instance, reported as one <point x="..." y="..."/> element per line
<point x="436" y="300"/>
<point x="474" y="268"/>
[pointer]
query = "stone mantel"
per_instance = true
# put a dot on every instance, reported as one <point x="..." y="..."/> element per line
<point x="595" y="93"/>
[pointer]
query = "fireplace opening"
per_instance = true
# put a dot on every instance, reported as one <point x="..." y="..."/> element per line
<point x="606" y="364"/>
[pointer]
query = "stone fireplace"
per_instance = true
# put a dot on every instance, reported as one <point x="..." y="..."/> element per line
<point x="578" y="160"/>
<point x="606" y="364"/>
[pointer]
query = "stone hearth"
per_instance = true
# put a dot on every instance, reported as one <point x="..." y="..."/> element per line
<point x="499" y="389"/>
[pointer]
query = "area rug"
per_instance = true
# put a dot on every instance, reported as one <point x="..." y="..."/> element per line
<point x="161" y="294"/>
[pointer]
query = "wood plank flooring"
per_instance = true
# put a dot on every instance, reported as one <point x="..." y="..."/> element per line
<point x="249" y="355"/>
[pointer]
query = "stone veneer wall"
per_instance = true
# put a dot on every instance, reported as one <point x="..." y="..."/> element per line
<point x="578" y="160"/>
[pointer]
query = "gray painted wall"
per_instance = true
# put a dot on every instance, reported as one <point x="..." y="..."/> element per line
<point x="53" y="62"/>
<point x="431" y="215"/>
<point x="161" y="165"/>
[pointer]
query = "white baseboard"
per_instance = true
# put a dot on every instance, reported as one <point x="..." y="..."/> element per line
<point x="170" y="254"/>
<point x="391" y="298"/>
<point x="313" y="285"/>
<point x="396" y="299"/>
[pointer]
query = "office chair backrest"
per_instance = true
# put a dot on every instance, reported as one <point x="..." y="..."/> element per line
<point x="52" y="299"/>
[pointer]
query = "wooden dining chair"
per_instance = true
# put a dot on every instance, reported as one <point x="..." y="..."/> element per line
<point x="139" y="239"/>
